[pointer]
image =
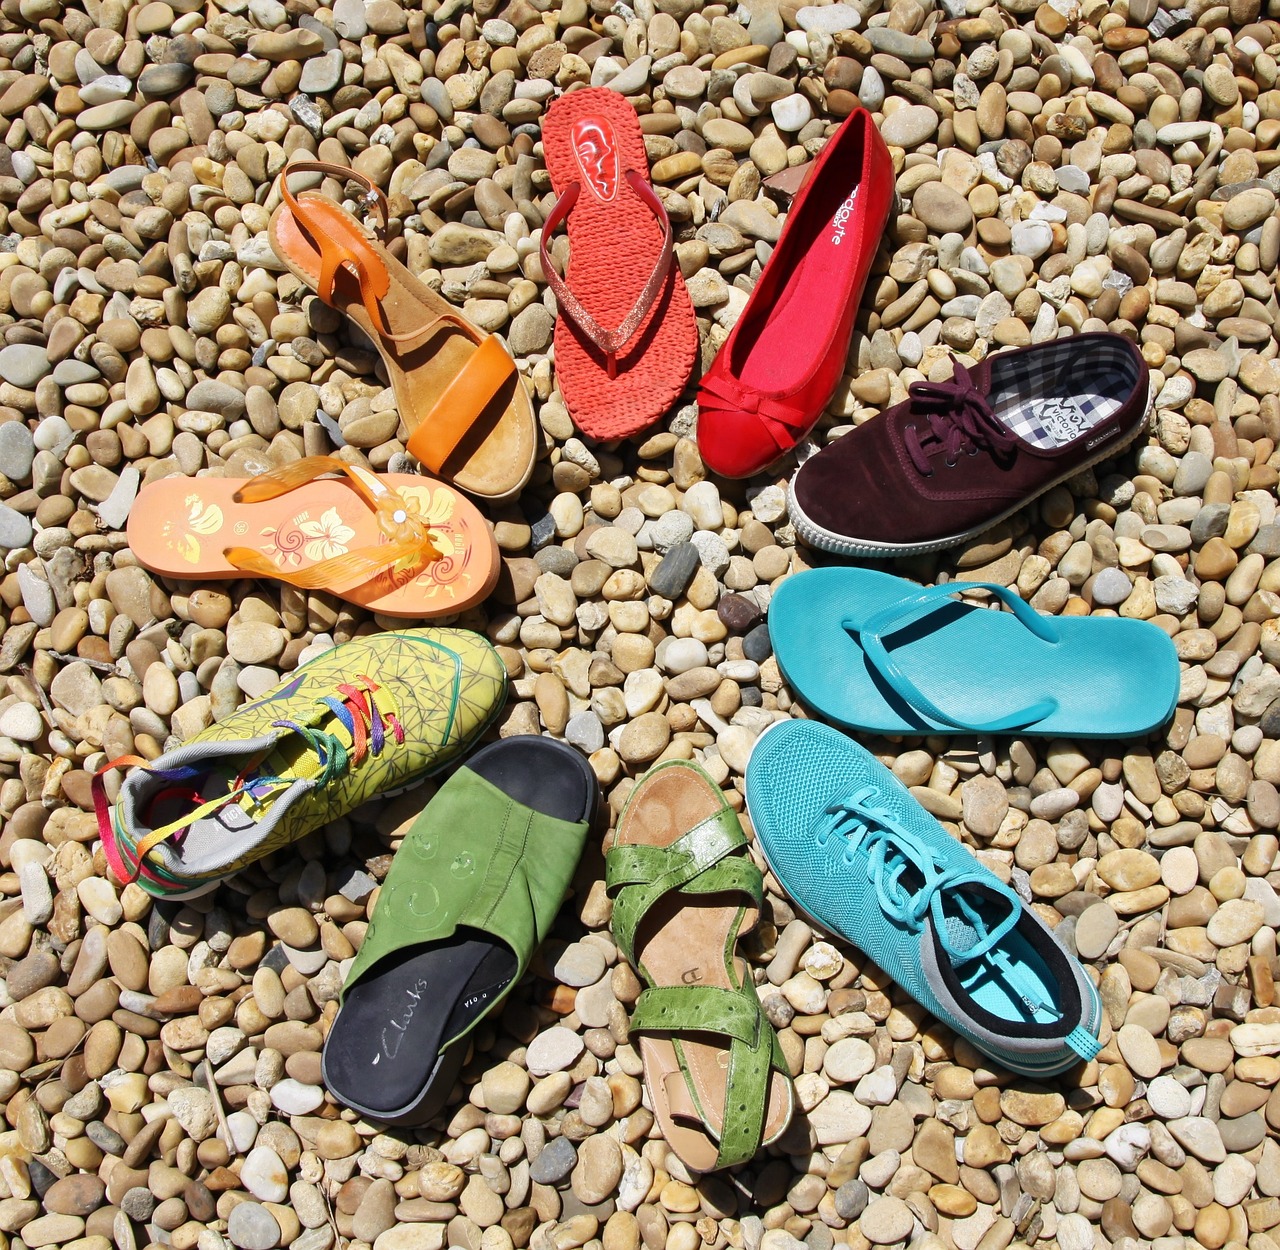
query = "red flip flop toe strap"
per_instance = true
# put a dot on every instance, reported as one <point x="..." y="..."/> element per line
<point x="781" y="421"/>
<point x="608" y="341"/>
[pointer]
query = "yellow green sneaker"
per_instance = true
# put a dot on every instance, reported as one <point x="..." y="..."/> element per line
<point x="368" y="716"/>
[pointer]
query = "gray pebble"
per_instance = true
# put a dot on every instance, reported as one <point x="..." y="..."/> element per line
<point x="554" y="1163"/>
<point x="670" y="579"/>
<point x="585" y="732"/>
<point x="17" y="450"/>
<point x="24" y="364"/>
<point x="16" y="530"/>
<point x="252" y="1227"/>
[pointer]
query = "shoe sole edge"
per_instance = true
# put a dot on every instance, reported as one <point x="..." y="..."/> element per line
<point x="823" y="539"/>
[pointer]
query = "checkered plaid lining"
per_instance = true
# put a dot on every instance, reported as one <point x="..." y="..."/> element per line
<point x="1051" y="396"/>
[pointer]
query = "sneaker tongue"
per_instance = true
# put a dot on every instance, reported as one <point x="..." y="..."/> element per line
<point x="292" y="759"/>
<point x="970" y="913"/>
<point x="961" y="935"/>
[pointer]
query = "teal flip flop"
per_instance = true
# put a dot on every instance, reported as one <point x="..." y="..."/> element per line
<point x="877" y="653"/>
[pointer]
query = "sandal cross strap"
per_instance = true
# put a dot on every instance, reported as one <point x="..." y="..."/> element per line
<point x="754" y="1053"/>
<point x="698" y="863"/>
<point x="710" y="892"/>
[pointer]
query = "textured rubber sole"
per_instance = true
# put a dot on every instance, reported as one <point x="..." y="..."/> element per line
<point x="815" y="535"/>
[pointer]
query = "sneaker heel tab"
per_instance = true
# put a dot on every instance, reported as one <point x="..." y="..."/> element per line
<point x="1083" y="1043"/>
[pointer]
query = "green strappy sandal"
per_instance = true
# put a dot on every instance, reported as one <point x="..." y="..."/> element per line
<point x="684" y="890"/>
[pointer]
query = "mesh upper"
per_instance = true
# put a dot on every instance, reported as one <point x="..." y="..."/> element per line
<point x="797" y="769"/>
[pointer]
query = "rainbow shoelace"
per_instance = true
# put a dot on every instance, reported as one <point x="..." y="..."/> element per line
<point x="361" y="707"/>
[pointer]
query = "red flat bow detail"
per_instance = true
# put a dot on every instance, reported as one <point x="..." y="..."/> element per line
<point x="782" y="421"/>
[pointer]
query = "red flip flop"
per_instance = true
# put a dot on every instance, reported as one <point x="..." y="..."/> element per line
<point x="778" y="369"/>
<point x="626" y="338"/>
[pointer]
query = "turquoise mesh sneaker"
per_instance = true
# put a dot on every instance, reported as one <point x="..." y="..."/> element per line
<point x="851" y="846"/>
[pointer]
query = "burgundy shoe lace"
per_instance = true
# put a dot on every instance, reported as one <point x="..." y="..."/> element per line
<point x="960" y="420"/>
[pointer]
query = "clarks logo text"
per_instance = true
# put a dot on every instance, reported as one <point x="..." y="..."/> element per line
<point x="393" y="1035"/>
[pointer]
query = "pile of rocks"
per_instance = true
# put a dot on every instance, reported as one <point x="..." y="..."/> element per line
<point x="1059" y="165"/>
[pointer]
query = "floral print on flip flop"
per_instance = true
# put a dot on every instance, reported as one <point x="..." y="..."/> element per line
<point x="202" y="519"/>
<point x="306" y="538"/>
<point x="315" y="538"/>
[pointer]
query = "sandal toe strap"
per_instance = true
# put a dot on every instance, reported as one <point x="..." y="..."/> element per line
<point x="699" y="1011"/>
<point x="459" y="407"/>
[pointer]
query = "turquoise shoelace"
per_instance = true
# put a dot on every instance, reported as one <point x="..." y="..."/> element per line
<point x="895" y="856"/>
<point x="910" y="886"/>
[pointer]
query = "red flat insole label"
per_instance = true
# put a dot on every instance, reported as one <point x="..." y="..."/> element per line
<point x="840" y="220"/>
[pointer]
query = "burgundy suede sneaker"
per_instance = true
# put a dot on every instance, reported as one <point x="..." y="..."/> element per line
<point x="959" y="456"/>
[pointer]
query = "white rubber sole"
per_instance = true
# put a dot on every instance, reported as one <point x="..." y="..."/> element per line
<point x="824" y="539"/>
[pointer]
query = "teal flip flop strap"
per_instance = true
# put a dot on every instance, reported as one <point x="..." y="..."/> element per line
<point x="872" y="632"/>
<point x="703" y="861"/>
<point x="754" y="1052"/>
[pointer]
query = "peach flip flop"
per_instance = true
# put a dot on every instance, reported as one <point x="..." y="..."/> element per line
<point x="626" y="339"/>
<point x="457" y="389"/>
<point x="393" y="543"/>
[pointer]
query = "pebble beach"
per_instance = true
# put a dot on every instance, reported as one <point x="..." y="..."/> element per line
<point x="1060" y="167"/>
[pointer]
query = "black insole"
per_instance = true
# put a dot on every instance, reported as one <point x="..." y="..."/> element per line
<point x="385" y="1042"/>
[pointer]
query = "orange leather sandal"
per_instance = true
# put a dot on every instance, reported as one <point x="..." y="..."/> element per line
<point x="459" y="395"/>
<point x="393" y="543"/>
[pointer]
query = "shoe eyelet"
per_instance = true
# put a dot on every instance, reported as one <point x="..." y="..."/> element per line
<point x="973" y="451"/>
<point x="951" y="464"/>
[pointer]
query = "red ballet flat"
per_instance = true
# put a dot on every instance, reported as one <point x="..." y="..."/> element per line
<point x="780" y="366"/>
